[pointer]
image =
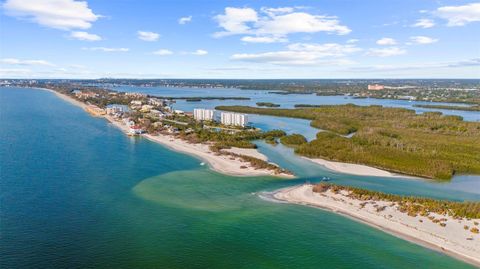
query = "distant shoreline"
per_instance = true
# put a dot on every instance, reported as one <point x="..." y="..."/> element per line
<point x="425" y="233"/>
<point x="224" y="164"/>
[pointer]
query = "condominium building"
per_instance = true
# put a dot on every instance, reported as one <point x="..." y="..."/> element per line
<point x="202" y="114"/>
<point x="228" y="118"/>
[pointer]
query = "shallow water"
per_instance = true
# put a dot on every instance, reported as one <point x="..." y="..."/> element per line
<point x="75" y="192"/>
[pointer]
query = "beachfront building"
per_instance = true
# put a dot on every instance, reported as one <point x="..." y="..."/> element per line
<point x="135" y="130"/>
<point x="85" y="94"/>
<point x="135" y="94"/>
<point x="95" y="110"/>
<point x="375" y="87"/>
<point x="116" y="109"/>
<point x="155" y="102"/>
<point x="201" y="114"/>
<point x="235" y="119"/>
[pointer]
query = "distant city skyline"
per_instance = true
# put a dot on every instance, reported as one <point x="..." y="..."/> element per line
<point x="239" y="39"/>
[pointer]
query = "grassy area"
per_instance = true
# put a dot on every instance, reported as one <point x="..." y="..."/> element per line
<point x="267" y="104"/>
<point x="410" y="204"/>
<point x="428" y="145"/>
<point x="464" y="108"/>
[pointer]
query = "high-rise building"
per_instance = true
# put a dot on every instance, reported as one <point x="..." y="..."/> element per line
<point x="228" y="118"/>
<point x="202" y="114"/>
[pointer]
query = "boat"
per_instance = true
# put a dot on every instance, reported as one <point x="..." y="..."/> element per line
<point x="202" y="163"/>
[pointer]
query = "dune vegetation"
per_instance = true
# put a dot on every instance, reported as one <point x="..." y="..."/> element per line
<point x="410" y="204"/>
<point x="428" y="145"/>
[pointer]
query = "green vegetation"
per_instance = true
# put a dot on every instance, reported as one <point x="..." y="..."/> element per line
<point x="306" y="105"/>
<point x="293" y="140"/>
<point x="428" y="145"/>
<point x="241" y="139"/>
<point x="411" y="204"/>
<point x="259" y="164"/>
<point x="267" y="104"/>
<point x="224" y="140"/>
<point x="464" y="108"/>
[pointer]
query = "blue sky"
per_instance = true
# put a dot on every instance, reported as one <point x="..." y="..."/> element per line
<point x="239" y="39"/>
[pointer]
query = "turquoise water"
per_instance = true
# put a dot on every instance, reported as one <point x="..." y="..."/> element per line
<point x="75" y="193"/>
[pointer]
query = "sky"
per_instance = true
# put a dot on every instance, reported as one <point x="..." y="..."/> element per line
<point x="239" y="39"/>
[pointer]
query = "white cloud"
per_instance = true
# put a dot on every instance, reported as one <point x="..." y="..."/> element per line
<point x="184" y="20"/>
<point x="14" y="61"/>
<point x="263" y="39"/>
<point x="200" y="52"/>
<point x="107" y="49"/>
<point x="163" y="52"/>
<point x="148" y="36"/>
<point x="275" y="23"/>
<point x="59" y="14"/>
<point x="275" y="11"/>
<point x="85" y="36"/>
<point x="235" y="20"/>
<point x="386" y="52"/>
<point x="423" y="40"/>
<point x="300" y="22"/>
<point x="386" y="41"/>
<point x="459" y="15"/>
<point x="302" y="54"/>
<point x="352" y="41"/>
<point x="424" y="23"/>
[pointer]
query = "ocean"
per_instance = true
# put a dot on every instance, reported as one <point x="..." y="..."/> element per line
<point x="75" y="192"/>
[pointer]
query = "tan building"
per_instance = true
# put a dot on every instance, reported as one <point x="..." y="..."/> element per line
<point x="375" y="87"/>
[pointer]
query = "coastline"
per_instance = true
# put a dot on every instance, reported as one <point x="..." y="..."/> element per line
<point x="356" y="169"/>
<point x="224" y="164"/>
<point x="450" y="240"/>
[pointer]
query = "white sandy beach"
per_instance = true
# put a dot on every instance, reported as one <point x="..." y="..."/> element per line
<point x="355" y="169"/>
<point x="224" y="164"/>
<point x="452" y="239"/>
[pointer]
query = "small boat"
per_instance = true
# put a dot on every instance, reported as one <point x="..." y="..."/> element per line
<point x="325" y="179"/>
<point x="202" y="163"/>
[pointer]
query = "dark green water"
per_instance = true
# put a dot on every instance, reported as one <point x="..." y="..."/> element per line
<point x="77" y="193"/>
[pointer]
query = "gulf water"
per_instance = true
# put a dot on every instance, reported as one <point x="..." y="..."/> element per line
<point x="75" y="192"/>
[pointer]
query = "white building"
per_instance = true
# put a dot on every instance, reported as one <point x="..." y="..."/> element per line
<point x="135" y="130"/>
<point x="228" y="118"/>
<point x="202" y="114"/>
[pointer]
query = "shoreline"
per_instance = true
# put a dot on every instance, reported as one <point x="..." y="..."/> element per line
<point x="224" y="164"/>
<point x="449" y="240"/>
<point x="357" y="169"/>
